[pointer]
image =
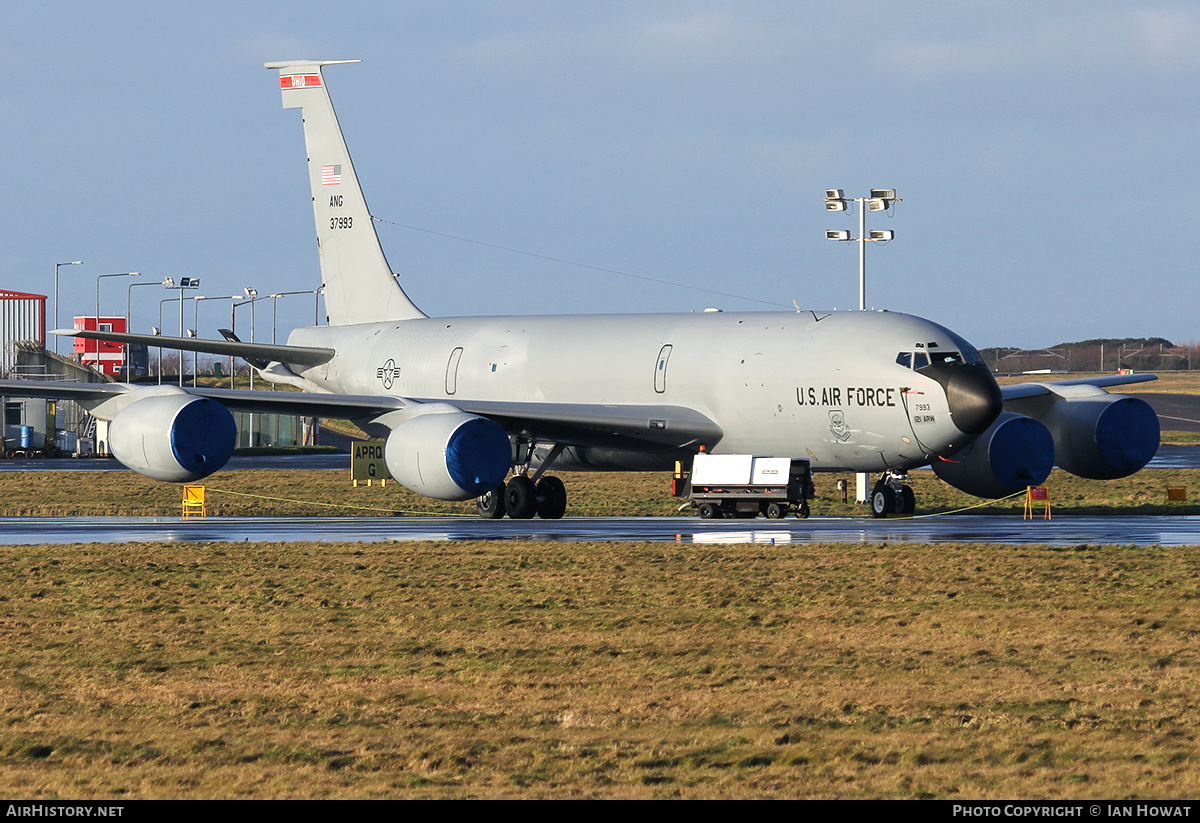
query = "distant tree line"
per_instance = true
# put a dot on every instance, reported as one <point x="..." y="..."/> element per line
<point x="1097" y="355"/>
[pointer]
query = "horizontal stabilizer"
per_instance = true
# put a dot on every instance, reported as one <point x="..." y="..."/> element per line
<point x="297" y="355"/>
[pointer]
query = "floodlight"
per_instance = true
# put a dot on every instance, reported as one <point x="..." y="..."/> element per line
<point x="886" y="234"/>
<point x="883" y="194"/>
<point x="876" y="204"/>
<point x="835" y="234"/>
<point x="835" y="205"/>
<point x="834" y="194"/>
<point x="169" y="282"/>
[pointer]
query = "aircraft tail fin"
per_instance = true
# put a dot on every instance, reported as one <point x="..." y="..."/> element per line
<point x="359" y="285"/>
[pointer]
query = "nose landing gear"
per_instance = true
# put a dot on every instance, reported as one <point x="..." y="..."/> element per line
<point x="891" y="498"/>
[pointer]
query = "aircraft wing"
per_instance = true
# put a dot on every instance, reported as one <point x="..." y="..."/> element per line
<point x="313" y="404"/>
<point x="83" y="393"/>
<point x="300" y="355"/>
<point x="1020" y="391"/>
<point x="576" y="424"/>
<point x="600" y="424"/>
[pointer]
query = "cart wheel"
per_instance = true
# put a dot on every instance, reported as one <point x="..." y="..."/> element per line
<point x="707" y="511"/>
<point x="776" y="511"/>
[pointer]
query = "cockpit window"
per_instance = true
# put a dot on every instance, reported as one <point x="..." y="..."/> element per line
<point x="921" y="359"/>
<point x="947" y="357"/>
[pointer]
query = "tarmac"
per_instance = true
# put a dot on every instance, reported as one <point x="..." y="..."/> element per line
<point x="1072" y="531"/>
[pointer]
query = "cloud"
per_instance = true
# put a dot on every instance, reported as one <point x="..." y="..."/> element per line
<point x="1100" y="43"/>
<point x="1168" y="38"/>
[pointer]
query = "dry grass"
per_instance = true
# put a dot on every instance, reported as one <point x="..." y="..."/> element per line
<point x="271" y="492"/>
<point x="598" y="670"/>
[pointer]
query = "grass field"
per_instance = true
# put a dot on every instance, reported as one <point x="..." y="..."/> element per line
<point x="271" y="492"/>
<point x="581" y="670"/>
<point x="598" y="670"/>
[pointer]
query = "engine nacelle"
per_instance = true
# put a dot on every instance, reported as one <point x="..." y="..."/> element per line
<point x="173" y="436"/>
<point x="448" y="454"/>
<point x="1014" y="452"/>
<point x="1103" y="437"/>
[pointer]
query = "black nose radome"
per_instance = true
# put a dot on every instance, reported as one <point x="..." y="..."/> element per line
<point x="971" y="392"/>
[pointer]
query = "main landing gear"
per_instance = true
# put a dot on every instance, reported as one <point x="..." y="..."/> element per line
<point x="891" y="497"/>
<point x="522" y="496"/>
<point x="521" y="499"/>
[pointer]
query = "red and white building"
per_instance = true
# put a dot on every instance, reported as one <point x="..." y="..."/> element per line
<point x="101" y="355"/>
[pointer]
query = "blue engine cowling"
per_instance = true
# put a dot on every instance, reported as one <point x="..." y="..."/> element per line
<point x="173" y="436"/>
<point x="1014" y="452"/>
<point x="448" y="454"/>
<point x="1103" y="437"/>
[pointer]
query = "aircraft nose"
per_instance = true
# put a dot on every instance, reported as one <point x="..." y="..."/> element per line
<point x="972" y="393"/>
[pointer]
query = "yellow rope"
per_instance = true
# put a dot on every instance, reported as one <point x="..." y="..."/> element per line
<point x="339" y="505"/>
<point x="956" y="511"/>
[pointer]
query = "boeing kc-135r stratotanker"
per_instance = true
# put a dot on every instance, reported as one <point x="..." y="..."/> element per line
<point x="464" y="401"/>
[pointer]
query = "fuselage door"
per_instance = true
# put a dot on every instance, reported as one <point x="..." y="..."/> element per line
<point x="452" y="371"/>
<point x="660" y="369"/>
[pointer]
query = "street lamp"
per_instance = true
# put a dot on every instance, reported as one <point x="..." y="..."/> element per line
<point x="252" y="296"/>
<point x="56" y="265"/>
<point x="158" y="330"/>
<point x="880" y="200"/>
<point x="128" y="317"/>
<point x="196" y="325"/>
<point x="184" y="283"/>
<point x="275" y="302"/>
<point x="99" y="277"/>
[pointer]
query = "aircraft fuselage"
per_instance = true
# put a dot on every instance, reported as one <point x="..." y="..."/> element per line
<point x="826" y="386"/>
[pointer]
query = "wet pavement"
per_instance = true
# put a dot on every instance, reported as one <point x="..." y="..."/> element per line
<point x="1008" y="529"/>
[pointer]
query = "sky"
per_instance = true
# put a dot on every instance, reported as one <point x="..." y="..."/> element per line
<point x="599" y="157"/>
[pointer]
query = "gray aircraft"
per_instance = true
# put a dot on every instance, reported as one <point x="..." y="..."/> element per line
<point x="464" y="401"/>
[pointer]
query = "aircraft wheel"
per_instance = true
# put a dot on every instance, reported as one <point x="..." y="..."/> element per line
<point x="803" y="511"/>
<point x="491" y="504"/>
<point x="908" y="501"/>
<point x="520" y="498"/>
<point x="551" y="498"/>
<point x="880" y="501"/>
<point x="776" y="511"/>
<point x="708" y="511"/>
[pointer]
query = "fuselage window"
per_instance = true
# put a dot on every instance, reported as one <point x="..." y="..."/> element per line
<point x="920" y="360"/>
<point x="904" y="358"/>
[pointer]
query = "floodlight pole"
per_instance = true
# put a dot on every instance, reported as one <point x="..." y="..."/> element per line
<point x="862" y="256"/>
<point x="98" y="279"/>
<point x="880" y="199"/>
<point x="128" y="328"/>
<point x="56" y="268"/>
